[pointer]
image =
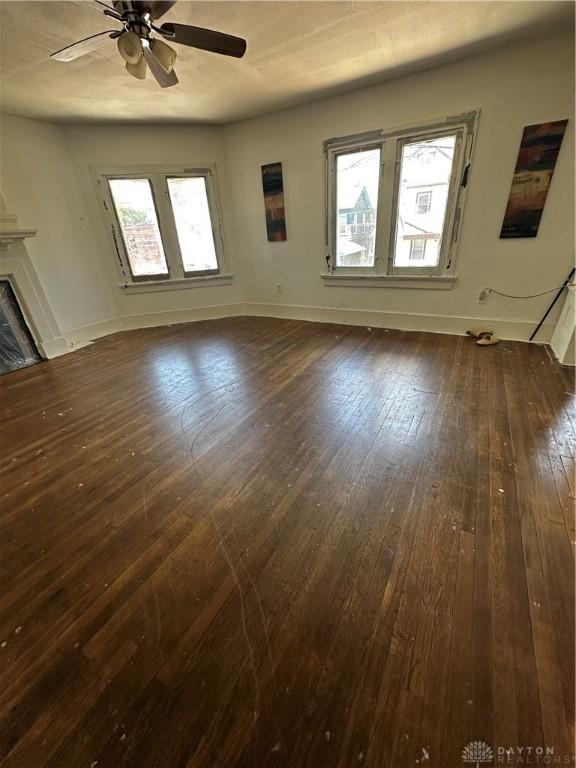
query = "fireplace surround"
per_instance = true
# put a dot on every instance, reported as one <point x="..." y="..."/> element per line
<point x="17" y="269"/>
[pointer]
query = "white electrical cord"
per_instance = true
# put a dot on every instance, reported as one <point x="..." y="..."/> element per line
<point x="530" y="295"/>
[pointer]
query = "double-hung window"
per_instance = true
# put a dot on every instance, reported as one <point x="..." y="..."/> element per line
<point x="395" y="199"/>
<point x="423" y="201"/>
<point x="164" y="225"/>
<point x="417" y="249"/>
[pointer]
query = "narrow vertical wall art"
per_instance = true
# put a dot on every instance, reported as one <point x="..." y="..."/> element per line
<point x="532" y="176"/>
<point x="273" y="188"/>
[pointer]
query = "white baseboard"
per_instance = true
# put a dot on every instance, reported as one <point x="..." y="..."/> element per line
<point x="53" y="347"/>
<point x="517" y="330"/>
<point x="174" y="317"/>
<point x="76" y="338"/>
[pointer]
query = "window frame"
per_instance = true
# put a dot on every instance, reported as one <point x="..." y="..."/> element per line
<point x="211" y="207"/>
<point x="158" y="178"/>
<point x="118" y="236"/>
<point x="446" y="241"/>
<point x="333" y="194"/>
<point x="390" y="144"/>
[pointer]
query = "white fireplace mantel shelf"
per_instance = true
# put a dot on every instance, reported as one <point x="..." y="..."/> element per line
<point x="8" y="236"/>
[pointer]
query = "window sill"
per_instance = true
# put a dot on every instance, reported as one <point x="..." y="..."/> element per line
<point x="429" y="282"/>
<point x="151" y="286"/>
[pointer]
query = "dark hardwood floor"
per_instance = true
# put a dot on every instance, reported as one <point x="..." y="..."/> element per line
<point x="256" y="542"/>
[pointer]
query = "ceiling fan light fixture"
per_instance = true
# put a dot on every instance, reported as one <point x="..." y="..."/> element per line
<point x="164" y="54"/>
<point x="130" y="48"/>
<point x="141" y="52"/>
<point x="137" y="70"/>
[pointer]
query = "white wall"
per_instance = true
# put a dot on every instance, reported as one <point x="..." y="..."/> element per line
<point x="110" y="146"/>
<point x="40" y="185"/>
<point x="513" y="86"/>
<point x="47" y="181"/>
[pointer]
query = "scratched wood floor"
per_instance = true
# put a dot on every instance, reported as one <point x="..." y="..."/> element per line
<point x="256" y="542"/>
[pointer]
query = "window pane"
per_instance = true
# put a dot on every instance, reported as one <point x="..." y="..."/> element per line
<point x="137" y="216"/>
<point x="192" y="216"/>
<point x="357" y="176"/>
<point x="425" y="173"/>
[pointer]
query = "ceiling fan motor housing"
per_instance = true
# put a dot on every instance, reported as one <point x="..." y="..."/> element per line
<point x="136" y="17"/>
<point x="126" y="6"/>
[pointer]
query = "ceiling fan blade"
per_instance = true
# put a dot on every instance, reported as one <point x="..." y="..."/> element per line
<point x="103" y="5"/>
<point x="163" y="78"/>
<point x="87" y="45"/>
<point x="160" y="7"/>
<point x="99" y="6"/>
<point x="206" y="39"/>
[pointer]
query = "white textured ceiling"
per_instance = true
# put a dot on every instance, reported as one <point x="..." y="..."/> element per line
<point x="297" y="51"/>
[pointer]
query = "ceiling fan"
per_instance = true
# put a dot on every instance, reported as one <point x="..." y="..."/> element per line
<point x="141" y="51"/>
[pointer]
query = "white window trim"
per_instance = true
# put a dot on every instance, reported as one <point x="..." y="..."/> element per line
<point x="390" y="143"/>
<point x="177" y="278"/>
<point x="153" y="286"/>
<point x="431" y="282"/>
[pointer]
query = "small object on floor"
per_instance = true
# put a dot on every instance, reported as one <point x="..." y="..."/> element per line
<point x="487" y="340"/>
<point x="477" y="333"/>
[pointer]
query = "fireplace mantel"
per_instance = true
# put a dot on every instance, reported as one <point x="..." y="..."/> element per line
<point x="10" y="232"/>
<point x="9" y="236"/>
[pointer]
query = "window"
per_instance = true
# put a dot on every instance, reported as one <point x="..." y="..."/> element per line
<point x="423" y="201"/>
<point x="164" y="226"/>
<point x="417" y="249"/>
<point x="189" y="200"/>
<point x="395" y="199"/>
<point x="422" y="162"/>
<point x="138" y="221"/>
<point x="357" y="192"/>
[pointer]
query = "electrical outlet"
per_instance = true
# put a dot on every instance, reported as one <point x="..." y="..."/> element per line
<point x="482" y="296"/>
<point x="279" y="288"/>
